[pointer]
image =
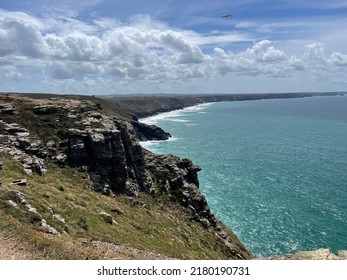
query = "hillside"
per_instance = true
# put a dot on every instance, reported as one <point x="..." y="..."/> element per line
<point x="76" y="184"/>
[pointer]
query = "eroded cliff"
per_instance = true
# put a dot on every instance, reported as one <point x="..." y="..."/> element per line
<point x="77" y="134"/>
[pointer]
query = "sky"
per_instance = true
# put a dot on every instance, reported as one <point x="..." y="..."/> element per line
<point x="107" y="47"/>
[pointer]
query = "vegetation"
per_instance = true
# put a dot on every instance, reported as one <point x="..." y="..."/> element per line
<point x="162" y="227"/>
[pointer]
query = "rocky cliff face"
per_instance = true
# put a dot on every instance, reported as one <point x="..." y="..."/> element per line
<point x="178" y="178"/>
<point x="107" y="151"/>
<point x="110" y="155"/>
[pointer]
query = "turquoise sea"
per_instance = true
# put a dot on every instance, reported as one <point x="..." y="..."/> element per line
<point x="274" y="171"/>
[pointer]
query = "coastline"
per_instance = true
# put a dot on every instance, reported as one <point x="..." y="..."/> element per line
<point x="200" y="163"/>
<point x="138" y="159"/>
<point x="147" y="130"/>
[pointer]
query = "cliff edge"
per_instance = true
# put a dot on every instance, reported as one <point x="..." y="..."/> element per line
<point x="70" y="171"/>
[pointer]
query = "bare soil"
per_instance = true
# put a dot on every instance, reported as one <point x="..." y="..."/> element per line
<point x="11" y="249"/>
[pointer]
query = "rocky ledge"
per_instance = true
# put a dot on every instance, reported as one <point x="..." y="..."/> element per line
<point x="321" y="254"/>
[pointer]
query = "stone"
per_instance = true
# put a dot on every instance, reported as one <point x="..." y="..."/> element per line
<point x="7" y="109"/>
<point x="61" y="159"/>
<point x="50" y="144"/>
<point x="113" y="156"/>
<point x="17" y="197"/>
<point x="14" y="128"/>
<point x="72" y="116"/>
<point x="24" y="142"/>
<point x="19" y="182"/>
<point x="147" y="132"/>
<point x="34" y="215"/>
<point x="320" y="254"/>
<point x="58" y="218"/>
<point x="77" y="150"/>
<point x="11" y="203"/>
<point x="38" y="166"/>
<point x="342" y="254"/>
<point x="45" y="227"/>
<point x="222" y="234"/>
<point x="45" y="109"/>
<point x="107" y="218"/>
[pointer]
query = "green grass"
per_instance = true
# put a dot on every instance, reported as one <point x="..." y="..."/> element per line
<point x="164" y="228"/>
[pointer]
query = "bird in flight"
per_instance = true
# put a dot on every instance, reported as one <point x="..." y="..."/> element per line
<point x="226" y="16"/>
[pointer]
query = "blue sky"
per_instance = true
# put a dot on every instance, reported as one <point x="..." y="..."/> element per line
<point x="172" y="46"/>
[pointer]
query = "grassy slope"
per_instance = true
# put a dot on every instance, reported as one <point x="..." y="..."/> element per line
<point x="162" y="229"/>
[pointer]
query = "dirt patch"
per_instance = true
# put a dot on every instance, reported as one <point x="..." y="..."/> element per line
<point x="108" y="250"/>
<point x="11" y="249"/>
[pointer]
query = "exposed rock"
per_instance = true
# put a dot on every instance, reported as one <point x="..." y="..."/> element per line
<point x="45" y="109"/>
<point x="51" y="148"/>
<point x="147" y="132"/>
<point x="7" y="109"/>
<point x="113" y="156"/>
<point x="58" y="218"/>
<point x="108" y="218"/>
<point x="11" y="203"/>
<point x="342" y="254"/>
<point x="321" y="254"/>
<point x="19" y="182"/>
<point x="108" y="153"/>
<point x="31" y="153"/>
<point x="178" y="178"/>
<point x="15" y="128"/>
<point x="18" y="200"/>
<point x="45" y="227"/>
<point x="61" y="159"/>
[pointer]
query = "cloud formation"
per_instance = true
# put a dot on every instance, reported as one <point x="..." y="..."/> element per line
<point x="104" y="51"/>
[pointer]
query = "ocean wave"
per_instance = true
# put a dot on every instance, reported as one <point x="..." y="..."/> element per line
<point x="175" y="114"/>
<point x="153" y="145"/>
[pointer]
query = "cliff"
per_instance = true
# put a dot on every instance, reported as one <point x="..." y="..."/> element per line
<point x="76" y="184"/>
<point x="134" y="107"/>
<point x="85" y="178"/>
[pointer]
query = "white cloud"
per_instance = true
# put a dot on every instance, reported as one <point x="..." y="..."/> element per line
<point x="14" y="75"/>
<point x="338" y="59"/>
<point x="264" y="51"/>
<point x="72" y="53"/>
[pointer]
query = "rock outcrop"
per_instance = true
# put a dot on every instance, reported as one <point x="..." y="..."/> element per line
<point x="321" y="254"/>
<point x="147" y="132"/>
<point x="178" y="178"/>
<point x="30" y="152"/>
<point x="17" y="200"/>
<point x="7" y="109"/>
<point x="45" y="109"/>
<point x="110" y="155"/>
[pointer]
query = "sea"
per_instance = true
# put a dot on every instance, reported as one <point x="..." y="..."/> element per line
<point x="274" y="171"/>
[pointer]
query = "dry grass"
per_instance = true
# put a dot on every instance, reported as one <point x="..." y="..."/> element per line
<point x="164" y="228"/>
